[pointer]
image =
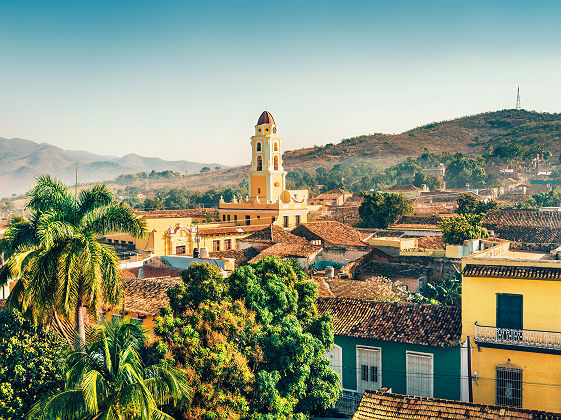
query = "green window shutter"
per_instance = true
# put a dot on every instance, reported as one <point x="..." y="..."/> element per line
<point x="509" y="311"/>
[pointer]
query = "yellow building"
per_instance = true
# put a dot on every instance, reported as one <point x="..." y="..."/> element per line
<point x="171" y="232"/>
<point x="268" y="201"/>
<point x="510" y="312"/>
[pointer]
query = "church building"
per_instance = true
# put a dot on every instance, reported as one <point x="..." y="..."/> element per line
<point x="268" y="201"/>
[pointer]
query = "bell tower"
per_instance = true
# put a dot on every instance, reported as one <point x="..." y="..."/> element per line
<point x="266" y="176"/>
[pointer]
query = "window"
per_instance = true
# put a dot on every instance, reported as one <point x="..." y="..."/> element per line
<point x="509" y="386"/>
<point x="223" y="217"/>
<point x="509" y="311"/>
<point x="335" y="357"/>
<point x="258" y="190"/>
<point x="228" y="218"/>
<point x="124" y="242"/>
<point x="297" y="219"/>
<point x="216" y="245"/>
<point x="235" y="217"/>
<point x="258" y="217"/>
<point x="276" y="147"/>
<point x="273" y="219"/>
<point x="227" y="244"/>
<point x="259" y="163"/>
<point x="419" y="374"/>
<point x="131" y="243"/>
<point x="258" y="147"/>
<point x="276" y="163"/>
<point x="369" y="362"/>
<point x="285" y="221"/>
<point x="247" y="220"/>
<point x="109" y="241"/>
<point x="180" y="250"/>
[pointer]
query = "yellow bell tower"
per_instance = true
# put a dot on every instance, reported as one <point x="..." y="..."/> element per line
<point x="266" y="176"/>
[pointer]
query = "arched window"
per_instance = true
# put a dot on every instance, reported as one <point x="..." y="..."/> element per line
<point x="276" y="163"/>
<point x="259" y="163"/>
<point x="258" y="148"/>
<point x="276" y="147"/>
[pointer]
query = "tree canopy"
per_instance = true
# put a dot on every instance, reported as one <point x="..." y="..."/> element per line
<point x="31" y="364"/>
<point x="458" y="229"/>
<point x="380" y="210"/>
<point x="469" y="204"/>
<point x="253" y="344"/>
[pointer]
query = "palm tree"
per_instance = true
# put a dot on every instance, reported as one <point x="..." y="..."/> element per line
<point x="109" y="381"/>
<point x="54" y="255"/>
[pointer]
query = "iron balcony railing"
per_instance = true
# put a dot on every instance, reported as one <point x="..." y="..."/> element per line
<point x="550" y="340"/>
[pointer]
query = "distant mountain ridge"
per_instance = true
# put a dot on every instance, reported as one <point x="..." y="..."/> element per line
<point x="21" y="160"/>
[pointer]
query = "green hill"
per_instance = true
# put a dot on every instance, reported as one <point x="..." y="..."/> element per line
<point x="470" y="135"/>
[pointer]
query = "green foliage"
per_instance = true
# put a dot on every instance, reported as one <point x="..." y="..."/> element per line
<point x="254" y="343"/>
<point x="30" y="366"/>
<point x="458" y="229"/>
<point x="205" y="169"/>
<point x="109" y="380"/>
<point x="181" y="198"/>
<point x="432" y="182"/>
<point x="469" y="204"/>
<point x="447" y="292"/>
<point x="55" y="257"/>
<point x="463" y="171"/>
<point x="380" y="210"/>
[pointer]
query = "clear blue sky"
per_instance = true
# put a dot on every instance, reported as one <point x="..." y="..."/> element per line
<point x="188" y="79"/>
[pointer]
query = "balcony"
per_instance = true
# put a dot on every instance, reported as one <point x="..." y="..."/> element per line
<point x="532" y="340"/>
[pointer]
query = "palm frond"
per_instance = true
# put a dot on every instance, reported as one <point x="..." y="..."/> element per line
<point x="114" y="219"/>
<point x="93" y="198"/>
<point x="64" y="405"/>
<point x="50" y="194"/>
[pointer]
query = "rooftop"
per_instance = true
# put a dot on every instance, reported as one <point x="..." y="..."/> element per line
<point x="284" y="250"/>
<point x="382" y="405"/>
<point x="265" y="118"/>
<point x="164" y="214"/>
<point x="330" y="232"/>
<point x="274" y="234"/>
<point x="148" y="296"/>
<point x="407" y="187"/>
<point x="512" y="272"/>
<point x="428" y="325"/>
<point x="334" y="193"/>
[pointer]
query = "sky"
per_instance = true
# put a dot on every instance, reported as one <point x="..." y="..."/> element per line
<point x="188" y="79"/>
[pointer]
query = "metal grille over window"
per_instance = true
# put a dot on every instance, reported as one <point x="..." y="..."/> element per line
<point x="509" y="386"/>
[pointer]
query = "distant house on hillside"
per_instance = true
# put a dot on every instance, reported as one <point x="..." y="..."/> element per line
<point x="408" y="190"/>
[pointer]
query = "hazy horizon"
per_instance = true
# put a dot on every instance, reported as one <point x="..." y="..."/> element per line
<point x="183" y="80"/>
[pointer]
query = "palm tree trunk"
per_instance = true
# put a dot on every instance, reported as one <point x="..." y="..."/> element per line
<point x="79" y="327"/>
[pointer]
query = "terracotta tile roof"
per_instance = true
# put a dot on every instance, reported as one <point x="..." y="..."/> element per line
<point x="356" y="198"/>
<point x="148" y="296"/>
<point x="431" y="242"/>
<point x="512" y="272"/>
<point x="391" y="269"/>
<point x="407" y="187"/>
<point x="333" y="194"/>
<point x="382" y="405"/>
<point x="427" y="325"/>
<point x="274" y="234"/>
<point x="330" y="232"/>
<point x="225" y="230"/>
<point x="532" y="218"/>
<point x="240" y="256"/>
<point x="323" y="287"/>
<point x="378" y="288"/>
<point x="288" y="251"/>
<point x="529" y="226"/>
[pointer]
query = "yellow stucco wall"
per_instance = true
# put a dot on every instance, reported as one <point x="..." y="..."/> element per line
<point x="541" y="372"/>
<point x="258" y="185"/>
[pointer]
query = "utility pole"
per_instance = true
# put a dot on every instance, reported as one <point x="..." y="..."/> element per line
<point x="518" y="99"/>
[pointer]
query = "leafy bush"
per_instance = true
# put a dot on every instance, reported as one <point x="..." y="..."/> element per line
<point x="31" y="364"/>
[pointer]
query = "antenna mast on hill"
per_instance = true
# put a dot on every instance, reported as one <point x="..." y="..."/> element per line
<point x="518" y="99"/>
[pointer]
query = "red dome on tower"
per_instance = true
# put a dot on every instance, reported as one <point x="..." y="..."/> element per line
<point x="265" y="118"/>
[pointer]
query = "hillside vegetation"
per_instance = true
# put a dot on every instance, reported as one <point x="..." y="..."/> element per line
<point x="471" y="135"/>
